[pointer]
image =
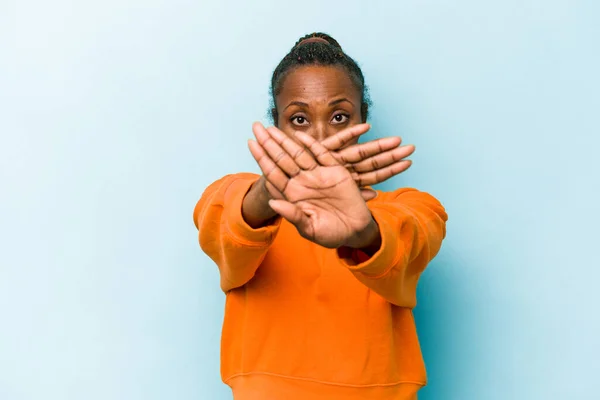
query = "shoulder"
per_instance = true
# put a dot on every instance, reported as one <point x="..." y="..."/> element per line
<point x="229" y="179"/>
<point x="405" y="195"/>
<point x="217" y="192"/>
<point x="410" y="201"/>
<point x="383" y="195"/>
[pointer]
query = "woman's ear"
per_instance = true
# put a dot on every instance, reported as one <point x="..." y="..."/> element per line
<point x="364" y="112"/>
<point x="274" y="116"/>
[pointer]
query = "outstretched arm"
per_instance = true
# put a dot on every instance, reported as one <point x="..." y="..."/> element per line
<point x="412" y="225"/>
<point x="236" y="247"/>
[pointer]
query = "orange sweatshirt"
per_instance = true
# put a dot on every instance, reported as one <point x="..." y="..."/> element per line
<point x="303" y="322"/>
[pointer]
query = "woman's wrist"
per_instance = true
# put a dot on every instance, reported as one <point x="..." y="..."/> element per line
<point x="255" y="206"/>
<point x="368" y="240"/>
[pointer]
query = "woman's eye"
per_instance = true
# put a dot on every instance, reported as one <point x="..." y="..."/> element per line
<point x="340" y="118"/>
<point x="300" y="121"/>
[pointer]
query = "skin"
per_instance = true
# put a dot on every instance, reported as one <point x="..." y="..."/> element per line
<point x="319" y="101"/>
<point x="314" y="173"/>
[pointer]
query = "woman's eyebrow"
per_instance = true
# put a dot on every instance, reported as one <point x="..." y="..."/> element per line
<point x="296" y="103"/>
<point x="338" y="101"/>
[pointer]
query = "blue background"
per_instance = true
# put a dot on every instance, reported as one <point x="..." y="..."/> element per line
<point x="116" y="115"/>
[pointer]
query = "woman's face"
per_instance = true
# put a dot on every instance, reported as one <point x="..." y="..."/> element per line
<point x="318" y="100"/>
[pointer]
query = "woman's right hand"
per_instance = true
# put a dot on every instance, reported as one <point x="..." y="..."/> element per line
<point x="372" y="162"/>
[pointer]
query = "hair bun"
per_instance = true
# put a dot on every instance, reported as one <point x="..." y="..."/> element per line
<point x="318" y="37"/>
<point x="315" y="39"/>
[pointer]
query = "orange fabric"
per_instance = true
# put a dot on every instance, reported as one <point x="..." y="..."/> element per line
<point x="306" y="322"/>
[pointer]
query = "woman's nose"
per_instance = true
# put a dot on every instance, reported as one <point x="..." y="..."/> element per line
<point x="321" y="132"/>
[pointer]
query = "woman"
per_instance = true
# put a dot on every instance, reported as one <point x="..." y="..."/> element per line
<point x="320" y="271"/>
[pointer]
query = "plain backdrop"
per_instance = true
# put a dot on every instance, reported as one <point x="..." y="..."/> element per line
<point x="115" y="115"/>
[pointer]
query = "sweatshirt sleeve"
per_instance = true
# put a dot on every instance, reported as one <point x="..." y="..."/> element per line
<point x="412" y="225"/>
<point x="224" y="235"/>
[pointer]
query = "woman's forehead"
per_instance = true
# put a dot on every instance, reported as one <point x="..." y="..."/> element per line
<point x="317" y="83"/>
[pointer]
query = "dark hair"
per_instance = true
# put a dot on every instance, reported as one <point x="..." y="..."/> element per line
<point x="318" y="53"/>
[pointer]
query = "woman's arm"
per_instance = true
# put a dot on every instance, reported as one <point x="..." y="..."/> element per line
<point x="225" y="233"/>
<point x="411" y="227"/>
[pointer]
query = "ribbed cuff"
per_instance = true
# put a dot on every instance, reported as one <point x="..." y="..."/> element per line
<point x="380" y="262"/>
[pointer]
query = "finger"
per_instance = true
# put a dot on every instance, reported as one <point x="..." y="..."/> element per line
<point x="323" y="156"/>
<point x="301" y="157"/>
<point x="381" y="175"/>
<point x="273" y="192"/>
<point x="368" y="194"/>
<point x="289" y="211"/>
<point x="383" y="159"/>
<point x="270" y="170"/>
<point x="274" y="150"/>
<point x="359" y="152"/>
<point x="344" y="137"/>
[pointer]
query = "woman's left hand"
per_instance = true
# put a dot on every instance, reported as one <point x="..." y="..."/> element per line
<point x="313" y="191"/>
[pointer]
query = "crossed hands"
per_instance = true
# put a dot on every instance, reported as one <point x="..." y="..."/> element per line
<point x="320" y="187"/>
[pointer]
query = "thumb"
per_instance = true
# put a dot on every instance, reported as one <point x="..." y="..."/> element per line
<point x="288" y="210"/>
<point x="272" y="191"/>
<point x="368" y="194"/>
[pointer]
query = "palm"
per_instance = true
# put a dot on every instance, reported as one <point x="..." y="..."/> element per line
<point x="329" y="207"/>
<point x="310" y="188"/>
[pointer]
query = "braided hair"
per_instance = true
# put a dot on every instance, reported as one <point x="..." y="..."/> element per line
<point x="318" y="49"/>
